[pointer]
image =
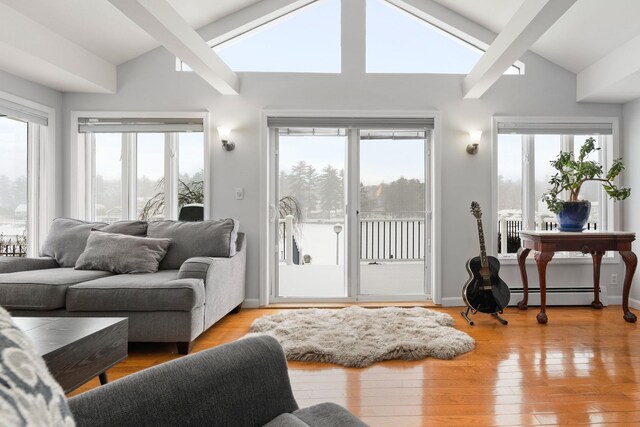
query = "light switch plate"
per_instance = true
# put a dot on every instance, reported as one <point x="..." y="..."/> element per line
<point x="239" y="193"/>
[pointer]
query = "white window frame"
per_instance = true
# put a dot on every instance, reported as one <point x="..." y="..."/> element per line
<point x="83" y="164"/>
<point x="610" y="212"/>
<point x="41" y="173"/>
<point x="268" y="210"/>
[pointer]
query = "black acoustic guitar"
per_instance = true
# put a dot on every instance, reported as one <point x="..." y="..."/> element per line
<point x="485" y="291"/>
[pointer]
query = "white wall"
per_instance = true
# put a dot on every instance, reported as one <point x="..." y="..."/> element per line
<point x="47" y="97"/>
<point x="150" y="83"/>
<point x="631" y="151"/>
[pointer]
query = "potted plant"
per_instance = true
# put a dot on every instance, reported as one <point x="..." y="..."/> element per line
<point x="572" y="174"/>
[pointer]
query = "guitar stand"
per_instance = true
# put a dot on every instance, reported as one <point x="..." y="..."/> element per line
<point x="499" y="318"/>
<point x="495" y="315"/>
<point x="466" y="315"/>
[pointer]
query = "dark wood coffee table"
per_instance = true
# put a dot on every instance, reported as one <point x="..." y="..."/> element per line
<point x="77" y="349"/>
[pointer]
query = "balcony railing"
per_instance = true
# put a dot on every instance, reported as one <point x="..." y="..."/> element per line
<point x="391" y="239"/>
<point x="14" y="246"/>
<point x="512" y="228"/>
<point x="388" y="240"/>
<point x="289" y="250"/>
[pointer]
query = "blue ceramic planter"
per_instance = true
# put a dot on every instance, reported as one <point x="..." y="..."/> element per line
<point x="574" y="215"/>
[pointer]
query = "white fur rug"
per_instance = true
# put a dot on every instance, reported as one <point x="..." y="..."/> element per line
<point x="357" y="337"/>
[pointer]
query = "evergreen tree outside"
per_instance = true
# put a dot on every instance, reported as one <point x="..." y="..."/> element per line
<point x="303" y="182"/>
<point x="331" y="190"/>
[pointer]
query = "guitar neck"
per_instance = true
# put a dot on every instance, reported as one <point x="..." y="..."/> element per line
<point x="483" y="250"/>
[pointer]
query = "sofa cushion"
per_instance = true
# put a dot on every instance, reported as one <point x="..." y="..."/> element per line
<point x="286" y="420"/>
<point x="130" y="228"/>
<point x="66" y="240"/>
<point x="159" y="291"/>
<point x="41" y="289"/>
<point x="120" y="253"/>
<point x="328" y="415"/>
<point x="29" y="395"/>
<point x="11" y="264"/>
<point x="192" y="239"/>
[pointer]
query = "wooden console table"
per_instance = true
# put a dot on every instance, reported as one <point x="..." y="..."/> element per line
<point x="546" y="243"/>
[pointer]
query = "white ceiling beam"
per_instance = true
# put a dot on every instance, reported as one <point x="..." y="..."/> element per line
<point x="526" y="26"/>
<point x="163" y="23"/>
<point x="32" y="51"/>
<point x="448" y="20"/>
<point x="607" y="79"/>
<point x="248" y="18"/>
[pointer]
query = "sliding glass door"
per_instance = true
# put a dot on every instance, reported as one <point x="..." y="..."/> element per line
<point x="392" y="212"/>
<point x="349" y="209"/>
<point x="311" y="224"/>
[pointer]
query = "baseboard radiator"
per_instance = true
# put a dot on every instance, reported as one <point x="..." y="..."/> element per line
<point x="561" y="296"/>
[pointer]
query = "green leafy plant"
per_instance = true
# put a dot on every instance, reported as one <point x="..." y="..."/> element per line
<point x="573" y="173"/>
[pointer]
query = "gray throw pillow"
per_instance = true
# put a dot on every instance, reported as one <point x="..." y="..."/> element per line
<point x="119" y="253"/>
<point x="66" y="240"/>
<point x="29" y="396"/>
<point x="211" y="238"/>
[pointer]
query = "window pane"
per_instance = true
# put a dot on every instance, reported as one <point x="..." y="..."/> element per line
<point x="13" y="184"/>
<point x="591" y="190"/>
<point x="547" y="148"/>
<point x="312" y="226"/>
<point x="108" y="179"/>
<point x="392" y="218"/>
<point x="307" y="40"/>
<point x="150" y="180"/>
<point x="399" y="42"/>
<point x="509" y="192"/>
<point x="190" y="168"/>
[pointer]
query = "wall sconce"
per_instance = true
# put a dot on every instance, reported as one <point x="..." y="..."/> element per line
<point x="474" y="137"/>
<point x="225" y="138"/>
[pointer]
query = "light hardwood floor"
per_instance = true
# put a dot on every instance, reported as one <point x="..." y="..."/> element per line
<point x="582" y="367"/>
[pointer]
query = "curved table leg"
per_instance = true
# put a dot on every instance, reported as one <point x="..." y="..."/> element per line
<point x="522" y="256"/>
<point x="542" y="259"/>
<point x="597" y="259"/>
<point x="630" y="261"/>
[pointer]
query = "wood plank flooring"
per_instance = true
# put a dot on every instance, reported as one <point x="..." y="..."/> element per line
<point x="583" y="367"/>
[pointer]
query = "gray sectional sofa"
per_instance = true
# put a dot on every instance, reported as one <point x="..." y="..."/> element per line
<point x="200" y="279"/>
<point x="243" y="383"/>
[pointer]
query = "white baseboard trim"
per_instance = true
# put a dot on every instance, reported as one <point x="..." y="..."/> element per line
<point x="251" y="303"/>
<point x="561" y="298"/>
<point x="634" y="303"/>
<point x="452" y="302"/>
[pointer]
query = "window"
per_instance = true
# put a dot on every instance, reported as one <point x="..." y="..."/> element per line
<point x="150" y="194"/>
<point x="142" y="168"/>
<point x="108" y="177"/>
<point x="306" y="40"/>
<point x="190" y="169"/>
<point x="13" y="183"/>
<point x="399" y="42"/>
<point x="25" y="167"/>
<point x="524" y="153"/>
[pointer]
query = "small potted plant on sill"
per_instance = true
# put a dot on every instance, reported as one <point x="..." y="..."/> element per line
<point x="573" y="214"/>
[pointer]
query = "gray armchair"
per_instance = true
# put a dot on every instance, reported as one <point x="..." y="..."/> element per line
<point x="244" y="383"/>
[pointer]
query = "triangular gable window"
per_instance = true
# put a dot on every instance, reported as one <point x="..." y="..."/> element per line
<point x="399" y="42"/>
<point x="307" y="40"/>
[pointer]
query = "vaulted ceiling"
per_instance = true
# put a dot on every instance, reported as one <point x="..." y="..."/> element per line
<point x="76" y="45"/>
